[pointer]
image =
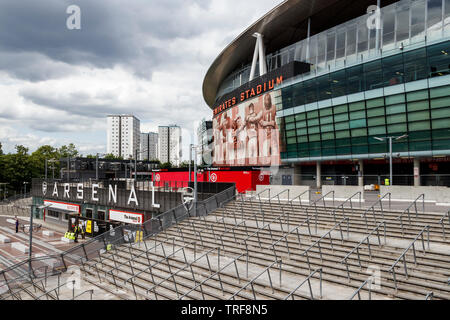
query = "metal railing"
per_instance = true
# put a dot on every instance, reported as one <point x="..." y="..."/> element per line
<point x="300" y="199"/>
<point x="328" y="233"/>
<point x="372" y="207"/>
<point x="447" y="214"/>
<point x="251" y="282"/>
<point x="91" y="248"/>
<point x="403" y="255"/>
<point x="407" y="211"/>
<point x="366" y="238"/>
<point x="349" y="199"/>
<point x="367" y="283"/>
<point x="315" y="206"/>
<point x="217" y="273"/>
<point x="91" y="292"/>
<point x="278" y="196"/>
<point x="308" y="279"/>
<point x="57" y="290"/>
<point x="429" y="296"/>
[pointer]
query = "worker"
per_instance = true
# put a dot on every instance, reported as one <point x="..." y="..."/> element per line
<point x="76" y="230"/>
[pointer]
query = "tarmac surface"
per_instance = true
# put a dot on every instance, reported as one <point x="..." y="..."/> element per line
<point x="41" y="245"/>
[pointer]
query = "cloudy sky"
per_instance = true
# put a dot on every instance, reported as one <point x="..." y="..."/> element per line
<point x="144" y="57"/>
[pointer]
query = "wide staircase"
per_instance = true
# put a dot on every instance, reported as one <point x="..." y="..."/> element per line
<point x="251" y="249"/>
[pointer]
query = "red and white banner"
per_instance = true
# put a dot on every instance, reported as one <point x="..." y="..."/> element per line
<point x="126" y="217"/>
<point x="63" y="206"/>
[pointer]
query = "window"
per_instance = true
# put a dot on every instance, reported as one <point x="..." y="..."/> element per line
<point x="358" y="123"/>
<point x="53" y="214"/>
<point x="439" y="59"/>
<point x="402" y="24"/>
<point x="417" y="19"/>
<point x="373" y="75"/>
<point x="355" y="78"/>
<point x="415" y="65"/>
<point x="393" y="70"/>
<point x="388" y="26"/>
<point x="338" y="83"/>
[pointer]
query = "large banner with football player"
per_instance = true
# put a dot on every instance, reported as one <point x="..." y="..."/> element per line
<point x="247" y="134"/>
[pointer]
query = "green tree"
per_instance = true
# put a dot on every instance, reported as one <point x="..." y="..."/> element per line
<point x="185" y="164"/>
<point x="37" y="161"/>
<point x="68" y="151"/>
<point x="110" y="156"/>
<point x="16" y="168"/>
<point x="166" y="165"/>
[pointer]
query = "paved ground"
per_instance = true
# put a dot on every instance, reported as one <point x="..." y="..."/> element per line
<point x="42" y="245"/>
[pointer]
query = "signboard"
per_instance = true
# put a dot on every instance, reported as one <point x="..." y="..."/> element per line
<point x="126" y="217"/>
<point x="248" y="134"/>
<point x="89" y="226"/>
<point x="63" y="206"/>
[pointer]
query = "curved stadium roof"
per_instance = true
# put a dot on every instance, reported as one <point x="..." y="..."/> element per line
<point x="285" y="24"/>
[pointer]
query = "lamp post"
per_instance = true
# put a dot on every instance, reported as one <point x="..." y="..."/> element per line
<point x="195" y="174"/>
<point x="96" y="164"/>
<point x="31" y="232"/>
<point x="25" y="188"/>
<point x="52" y="161"/>
<point x="190" y="160"/>
<point x="390" y="151"/>
<point x="4" y="189"/>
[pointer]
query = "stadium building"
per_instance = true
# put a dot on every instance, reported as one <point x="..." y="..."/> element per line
<point x="320" y="86"/>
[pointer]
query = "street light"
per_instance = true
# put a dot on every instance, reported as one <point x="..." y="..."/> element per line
<point x="25" y="188"/>
<point x="96" y="164"/>
<point x="52" y="161"/>
<point x="31" y="230"/>
<point x="192" y="146"/>
<point x="390" y="151"/>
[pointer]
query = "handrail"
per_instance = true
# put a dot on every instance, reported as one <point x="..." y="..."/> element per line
<point x="403" y="255"/>
<point x="133" y="257"/>
<point x="323" y="198"/>
<point x="27" y="275"/>
<point x="300" y="198"/>
<point x="287" y="234"/>
<point x="278" y="195"/>
<point x="309" y="284"/>
<point x="256" y="277"/>
<point x="159" y="261"/>
<point x="328" y="233"/>
<point x="93" y="240"/>
<point x="367" y="238"/>
<point x="91" y="291"/>
<point x="315" y="206"/>
<point x="357" y="292"/>
<point x="408" y="211"/>
<point x="258" y="194"/>
<point x="214" y="274"/>
<point x="344" y="202"/>
<point x="172" y="275"/>
<point x="59" y="286"/>
<point x="372" y="207"/>
<point x="442" y="223"/>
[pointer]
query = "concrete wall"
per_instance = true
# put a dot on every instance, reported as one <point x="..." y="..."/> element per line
<point x="342" y="192"/>
<point x="294" y="191"/>
<point x="432" y="194"/>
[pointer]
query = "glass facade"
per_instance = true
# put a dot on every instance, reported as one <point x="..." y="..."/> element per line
<point x="403" y="24"/>
<point x="349" y="129"/>
<point x="423" y="63"/>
